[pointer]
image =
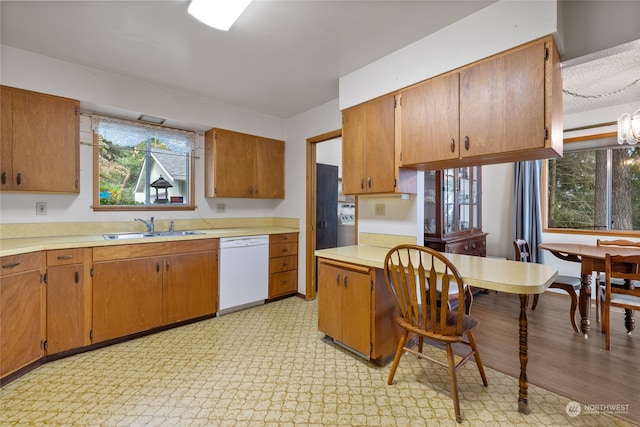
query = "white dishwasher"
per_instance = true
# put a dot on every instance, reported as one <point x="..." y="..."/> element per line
<point x="243" y="272"/>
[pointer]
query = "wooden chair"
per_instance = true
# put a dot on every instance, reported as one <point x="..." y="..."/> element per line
<point x="417" y="276"/>
<point x="569" y="284"/>
<point x="624" y="268"/>
<point x="616" y="283"/>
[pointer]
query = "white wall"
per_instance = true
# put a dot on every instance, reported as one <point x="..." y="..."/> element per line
<point x="111" y="94"/>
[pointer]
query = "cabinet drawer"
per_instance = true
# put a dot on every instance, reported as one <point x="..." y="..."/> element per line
<point x="283" y="249"/>
<point x="65" y="256"/>
<point x="18" y="263"/>
<point x="283" y="238"/>
<point x="283" y="263"/>
<point x="469" y="247"/>
<point x="283" y="283"/>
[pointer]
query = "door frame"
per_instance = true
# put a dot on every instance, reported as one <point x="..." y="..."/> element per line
<point x="310" y="258"/>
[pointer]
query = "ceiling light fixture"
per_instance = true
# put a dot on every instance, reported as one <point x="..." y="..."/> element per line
<point x="629" y="128"/>
<point x="220" y="14"/>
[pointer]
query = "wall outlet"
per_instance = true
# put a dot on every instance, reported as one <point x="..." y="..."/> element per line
<point x="380" y="209"/>
<point x="41" y="208"/>
<point x="221" y="208"/>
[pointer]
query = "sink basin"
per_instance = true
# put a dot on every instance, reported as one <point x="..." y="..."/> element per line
<point x="123" y="236"/>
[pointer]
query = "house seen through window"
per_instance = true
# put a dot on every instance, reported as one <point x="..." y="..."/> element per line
<point x="142" y="166"/>
<point x="595" y="186"/>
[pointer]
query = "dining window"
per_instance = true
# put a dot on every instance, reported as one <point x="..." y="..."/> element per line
<point x="595" y="186"/>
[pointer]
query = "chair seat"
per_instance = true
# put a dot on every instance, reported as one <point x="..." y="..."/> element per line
<point x="628" y="301"/>
<point x="468" y="323"/>
<point x="569" y="280"/>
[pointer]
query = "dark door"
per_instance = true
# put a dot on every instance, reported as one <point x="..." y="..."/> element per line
<point x="326" y="206"/>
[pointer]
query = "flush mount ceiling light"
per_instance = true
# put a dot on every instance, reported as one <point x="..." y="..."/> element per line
<point x="220" y="14"/>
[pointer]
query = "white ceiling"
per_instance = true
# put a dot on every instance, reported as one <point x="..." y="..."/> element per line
<point x="280" y="58"/>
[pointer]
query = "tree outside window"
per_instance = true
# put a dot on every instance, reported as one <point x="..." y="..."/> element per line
<point x="595" y="189"/>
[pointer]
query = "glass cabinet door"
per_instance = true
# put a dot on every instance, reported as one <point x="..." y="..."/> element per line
<point x="431" y="202"/>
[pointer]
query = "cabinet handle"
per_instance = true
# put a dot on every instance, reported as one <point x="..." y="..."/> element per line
<point x="77" y="277"/>
<point x="4" y="177"/>
<point x="65" y="257"/>
<point x="19" y="178"/>
<point x="473" y="245"/>
<point x="369" y="182"/>
<point x="346" y="280"/>
<point x="250" y="190"/>
<point x="13" y="265"/>
<point x="453" y="145"/>
<point x="338" y="279"/>
<point x="167" y="265"/>
<point x="466" y="143"/>
<point x="284" y="265"/>
<point x="283" y="282"/>
<point x="362" y="183"/>
<point x="157" y="267"/>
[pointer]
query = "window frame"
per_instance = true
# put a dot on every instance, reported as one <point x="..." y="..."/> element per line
<point x="190" y="206"/>
<point x="544" y="194"/>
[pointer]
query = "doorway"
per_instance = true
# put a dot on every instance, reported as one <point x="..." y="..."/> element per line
<point x="312" y="219"/>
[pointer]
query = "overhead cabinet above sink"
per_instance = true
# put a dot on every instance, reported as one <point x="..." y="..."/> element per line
<point x="504" y="108"/>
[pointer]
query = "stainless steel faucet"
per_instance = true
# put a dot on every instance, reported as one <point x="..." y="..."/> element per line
<point x="150" y="225"/>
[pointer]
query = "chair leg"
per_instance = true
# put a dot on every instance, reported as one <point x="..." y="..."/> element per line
<point x="396" y="359"/>
<point x="535" y="301"/>
<point x="574" y="301"/>
<point x="454" y="382"/>
<point x="606" y="326"/>
<point x="476" y="356"/>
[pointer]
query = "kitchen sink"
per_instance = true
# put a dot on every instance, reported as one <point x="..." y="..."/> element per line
<point x="123" y="236"/>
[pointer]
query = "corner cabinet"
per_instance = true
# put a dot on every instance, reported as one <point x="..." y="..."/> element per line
<point x="39" y="133"/>
<point x="505" y="108"/>
<point x="356" y="310"/>
<point x="453" y="211"/>
<point x="368" y="147"/>
<point x="242" y="165"/>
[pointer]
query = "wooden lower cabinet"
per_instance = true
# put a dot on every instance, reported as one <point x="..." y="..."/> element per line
<point x="144" y="286"/>
<point x="283" y="264"/>
<point x="21" y="311"/>
<point x="356" y="309"/>
<point x="68" y="283"/>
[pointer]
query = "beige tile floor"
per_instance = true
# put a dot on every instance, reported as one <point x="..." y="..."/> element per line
<point x="265" y="366"/>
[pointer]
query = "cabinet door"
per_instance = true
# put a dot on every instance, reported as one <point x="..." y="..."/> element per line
<point x="190" y="286"/>
<point x="20" y="320"/>
<point x="502" y="103"/>
<point x="127" y="297"/>
<point x="353" y="149"/>
<point x="46" y="138"/>
<point x="233" y="164"/>
<point x="65" y="308"/>
<point x="6" y="138"/>
<point x="356" y="311"/>
<point x="330" y="300"/>
<point x="269" y="179"/>
<point x="380" y="145"/>
<point x="429" y="120"/>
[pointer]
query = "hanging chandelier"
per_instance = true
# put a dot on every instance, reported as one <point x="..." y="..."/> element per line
<point x="629" y="128"/>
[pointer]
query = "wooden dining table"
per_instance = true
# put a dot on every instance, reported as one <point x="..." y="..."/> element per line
<point x="591" y="258"/>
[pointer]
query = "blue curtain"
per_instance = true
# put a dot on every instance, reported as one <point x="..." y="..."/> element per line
<point x="528" y="216"/>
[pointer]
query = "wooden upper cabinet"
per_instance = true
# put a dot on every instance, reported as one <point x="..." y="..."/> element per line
<point x="369" y="150"/>
<point x="505" y="108"/>
<point x="40" y="140"/>
<point x="242" y="165"/>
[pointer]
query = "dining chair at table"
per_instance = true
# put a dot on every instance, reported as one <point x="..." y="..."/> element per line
<point x="616" y="283"/>
<point x="569" y="284"/>
<point x="624" y="268"/>
<point x="417" y="276"/>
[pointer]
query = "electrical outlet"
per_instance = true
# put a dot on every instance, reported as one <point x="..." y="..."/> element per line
<point x="380" y="209"/>
<point x="221" y="208"/>
<point x="41" y="208"/>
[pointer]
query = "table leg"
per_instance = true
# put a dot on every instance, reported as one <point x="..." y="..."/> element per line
<point x="523" y="392"/>
<point x="629" y="321"/>
<point x="585" y="303"/>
